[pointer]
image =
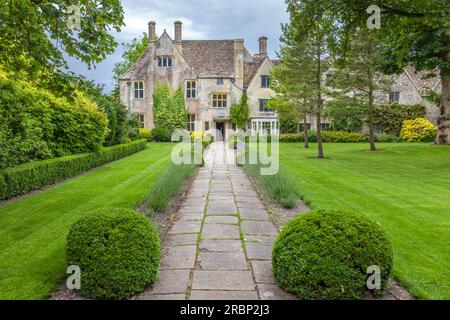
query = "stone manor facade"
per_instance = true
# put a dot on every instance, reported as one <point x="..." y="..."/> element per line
<point x="213" y="75"/>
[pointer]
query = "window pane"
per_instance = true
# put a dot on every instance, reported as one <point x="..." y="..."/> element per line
<point x="170" y="61"/>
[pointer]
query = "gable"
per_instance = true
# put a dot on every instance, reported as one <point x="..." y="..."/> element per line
<point x="164" y="46"/>
<point x="139" y="68"/>
<point x="263" y="68"/>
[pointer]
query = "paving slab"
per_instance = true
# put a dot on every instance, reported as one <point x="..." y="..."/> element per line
<point x="222" y="219"/>
<point x="250" y="205"/>
<point x="179" y="257"/>
<point x="181" y="239"/>
<point x="196" y="208"/>
<point x="258" y="250"/>
<point x="256" y="215"/>
<point x="221" y="209"/>
<point x="258" y="228"/>
<point x="223" y="295"/>
<point x="263" y="271"/>
<point x="220" y="231"/>
<point x="220" y="245"/>
<point x="216" y="261"/>
<point x="265" y="239"/>
<point x="191" y="216"/>
<point x="185" y="227"/>
<point x="251" y="199"/>
<point x="229" y="280"/>
<point x="172" y="281"/>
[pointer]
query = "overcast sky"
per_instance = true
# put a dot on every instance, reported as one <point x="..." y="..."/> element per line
<point x="202" y="19"/>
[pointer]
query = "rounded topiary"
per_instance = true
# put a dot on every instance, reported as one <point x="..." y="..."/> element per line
<point x="325" y="255"/>
<point x="117" y="250"/>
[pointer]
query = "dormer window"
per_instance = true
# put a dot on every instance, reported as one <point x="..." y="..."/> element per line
<point x="219" y="81"/>
<point x="164" y="61"/>
<point x="265" y="81"/>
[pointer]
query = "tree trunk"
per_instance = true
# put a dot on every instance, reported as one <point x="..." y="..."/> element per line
<point x="370" y="123"/>
<point x="319" y="104"/>
<point x="305" y="124"/>
<point x="443" y="133"/>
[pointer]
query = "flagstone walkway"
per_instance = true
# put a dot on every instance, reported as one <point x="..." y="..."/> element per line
<point x="220" y="245"/>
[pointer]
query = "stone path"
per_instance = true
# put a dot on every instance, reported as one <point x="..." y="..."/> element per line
<point x="220" y="246"/>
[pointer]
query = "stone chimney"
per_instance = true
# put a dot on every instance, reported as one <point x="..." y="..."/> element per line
<point x="263" y="46"/>
<point x="239" y="62"/>
<point x="178" y="31"/>
<point x="151" y="32"/>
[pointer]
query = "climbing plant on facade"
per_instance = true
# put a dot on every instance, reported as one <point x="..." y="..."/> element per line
<point x="169" y="110"/>
<point x="239" y="112"/>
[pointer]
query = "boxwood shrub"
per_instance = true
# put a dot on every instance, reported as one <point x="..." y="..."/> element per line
<point x="337" y="137"/>
<point x="117" y="251"/>
<point x="161" y="135"/>
<point x="34" y="175"/>
<point x="325" y="255"/>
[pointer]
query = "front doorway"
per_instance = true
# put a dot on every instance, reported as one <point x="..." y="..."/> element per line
<point x="220" y="131"/>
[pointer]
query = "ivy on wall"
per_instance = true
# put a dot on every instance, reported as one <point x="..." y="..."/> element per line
<point x="168" y="108"/>
<point x="239" y="113"/>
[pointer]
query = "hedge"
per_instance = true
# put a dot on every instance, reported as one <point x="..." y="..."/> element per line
<point x="34" y="175"/>
<point x="337" y="137"/>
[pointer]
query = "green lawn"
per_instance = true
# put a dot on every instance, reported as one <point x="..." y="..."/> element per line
<point x="405" y="187"/>
<point x="33" y="229"/>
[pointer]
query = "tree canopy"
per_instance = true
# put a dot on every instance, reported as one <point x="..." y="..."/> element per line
<point x="38" y="32"/>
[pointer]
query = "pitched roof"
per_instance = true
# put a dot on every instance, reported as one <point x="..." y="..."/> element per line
<point x="138" y="69"/>
<point x="210" y="58"/>
<point x="420" y="81"/>
<point x="252" y="66"/>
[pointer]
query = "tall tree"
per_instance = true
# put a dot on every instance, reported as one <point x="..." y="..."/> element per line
<point x="311" y="34"/>
<point x="39" y="32"/>
<point x="415" y="33"/>
<point x="357" y="78"/>
<point x="292" y="84"/>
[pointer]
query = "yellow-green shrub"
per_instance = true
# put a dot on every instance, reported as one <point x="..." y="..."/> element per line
<point x="37" y="125"/>
<point x="145" y="134"/>
<point x="418" y="130"/>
